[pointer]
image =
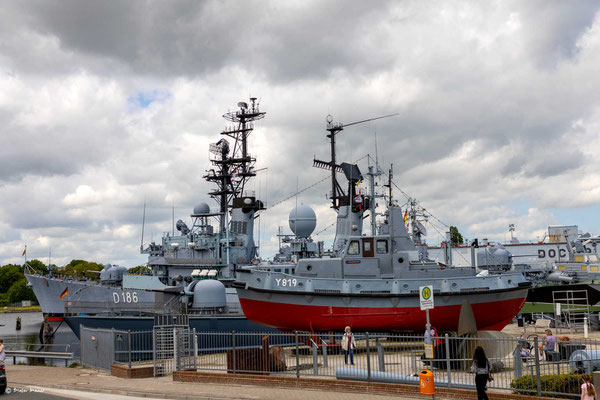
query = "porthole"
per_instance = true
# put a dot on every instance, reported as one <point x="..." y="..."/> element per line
<point x="454" y="284"/>
<point x="257" y="279"/>
<point x="400" y="260"/>
<point x="358" y="285"/>
<point x="300" y="284"/>
<point x="308" y="267"/>
<point x="405" y="286"/>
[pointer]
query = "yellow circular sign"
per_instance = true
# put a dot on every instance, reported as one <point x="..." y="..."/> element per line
<point x="426" y="293"/>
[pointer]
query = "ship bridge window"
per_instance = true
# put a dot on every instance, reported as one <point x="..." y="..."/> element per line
<point x="592" y="258"/>
<point x="382" y="247"/>
<point x="353" y="248"/>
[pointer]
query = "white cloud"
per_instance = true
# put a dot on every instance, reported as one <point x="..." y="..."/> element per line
<point x="498" y="121"/>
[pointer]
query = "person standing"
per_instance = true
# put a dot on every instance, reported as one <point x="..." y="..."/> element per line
<point x="482" y="369"/>
<point x="588" y="391"/>
<point x="549" y="341"/>
<point x="428" y="335"/>
<point x="348" y="345"/>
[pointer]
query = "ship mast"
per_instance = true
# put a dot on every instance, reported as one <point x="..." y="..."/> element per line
<point x="234" y="166"/>
<point x="337" y="193"/>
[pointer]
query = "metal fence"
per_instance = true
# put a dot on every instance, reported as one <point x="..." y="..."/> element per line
<point x="100" y="348"/>
<point x="518" y="364"/>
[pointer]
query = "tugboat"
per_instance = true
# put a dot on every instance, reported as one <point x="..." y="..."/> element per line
<point x="372" y="282"/>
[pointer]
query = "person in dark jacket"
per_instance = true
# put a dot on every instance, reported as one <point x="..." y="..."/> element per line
<point x="482" y="369"/>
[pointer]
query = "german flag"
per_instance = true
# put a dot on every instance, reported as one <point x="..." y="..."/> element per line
<point x="63" y="294"/>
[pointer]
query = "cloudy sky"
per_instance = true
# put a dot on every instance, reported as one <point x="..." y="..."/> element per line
<point x="105" y="105"/>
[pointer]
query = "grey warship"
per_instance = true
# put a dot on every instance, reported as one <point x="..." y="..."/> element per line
<point x="191" y="271"/>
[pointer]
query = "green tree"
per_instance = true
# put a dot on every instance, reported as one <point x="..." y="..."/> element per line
<point x="38" y="266"/>
<point x="4" y="299"/>
<point x="140" y="270"/>
<point x="19" y="292"/>
<point x="82" y="268"/>
<point x="455" y="236"/>
<point x="9" y="274"/>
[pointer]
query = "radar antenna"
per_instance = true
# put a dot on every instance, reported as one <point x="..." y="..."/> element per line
<point x="337" y="192"/>
<point x="234" y="166"/>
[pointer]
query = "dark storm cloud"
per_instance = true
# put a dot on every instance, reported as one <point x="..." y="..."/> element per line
<point x="193" y="38"/>
<point x="487" y="94"/>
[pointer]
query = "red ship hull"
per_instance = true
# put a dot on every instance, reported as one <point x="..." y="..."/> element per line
<point x="493" y="315"/>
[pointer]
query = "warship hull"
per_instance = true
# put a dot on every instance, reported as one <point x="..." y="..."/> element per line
<point x="201" y="323"/>
<point x="58" y="297"/>
<point x="492" y="310"/>
<point x="48" y="292"/>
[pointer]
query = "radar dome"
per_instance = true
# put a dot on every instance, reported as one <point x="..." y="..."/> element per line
<point x="201" y="208"/>
<point x="303" y="221"/>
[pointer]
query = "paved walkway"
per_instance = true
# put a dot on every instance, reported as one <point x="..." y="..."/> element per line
<point x="83" y="383"/>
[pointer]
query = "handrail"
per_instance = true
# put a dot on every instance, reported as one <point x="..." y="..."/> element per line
<point x="27" y="346"/>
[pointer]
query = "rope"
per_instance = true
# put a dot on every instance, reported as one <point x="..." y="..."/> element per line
<point x="309" y="186"/>
<point x="426" y="211"/>
<point x="323" y="230"/>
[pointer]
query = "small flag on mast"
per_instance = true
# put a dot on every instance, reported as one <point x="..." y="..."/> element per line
<point x="63" y="294"/>
<point x="24" y="251"/>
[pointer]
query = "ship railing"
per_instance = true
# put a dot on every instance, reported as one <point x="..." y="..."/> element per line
<point x="524" y="365"/>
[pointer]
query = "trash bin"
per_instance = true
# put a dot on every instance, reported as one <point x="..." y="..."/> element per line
<point x="426" y="382"/>
<point x="520" y="322"/>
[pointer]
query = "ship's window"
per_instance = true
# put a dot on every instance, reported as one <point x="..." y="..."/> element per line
<point x="593" y="258"/>
<point x="366" y="246"/>
<point x="382" y="247"/>
<point x="353" y="248"/>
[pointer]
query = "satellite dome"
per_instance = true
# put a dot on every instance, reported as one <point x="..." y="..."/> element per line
<point x="201" y="208"/>
<point x="303" y="221"/>
<point x="209" y="293"/>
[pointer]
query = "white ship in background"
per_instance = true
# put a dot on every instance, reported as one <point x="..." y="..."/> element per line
<point x="551" y="249"/>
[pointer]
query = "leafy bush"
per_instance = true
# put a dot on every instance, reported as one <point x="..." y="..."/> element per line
<point x="563" y="383"/>
<point x="10" y="274"/>
<point x="19" y="292"/>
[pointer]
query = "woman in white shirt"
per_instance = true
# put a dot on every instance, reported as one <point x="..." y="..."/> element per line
<point x="348" y="345"/>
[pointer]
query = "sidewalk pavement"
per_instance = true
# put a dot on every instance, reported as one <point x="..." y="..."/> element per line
<point x="81" y="383"/>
